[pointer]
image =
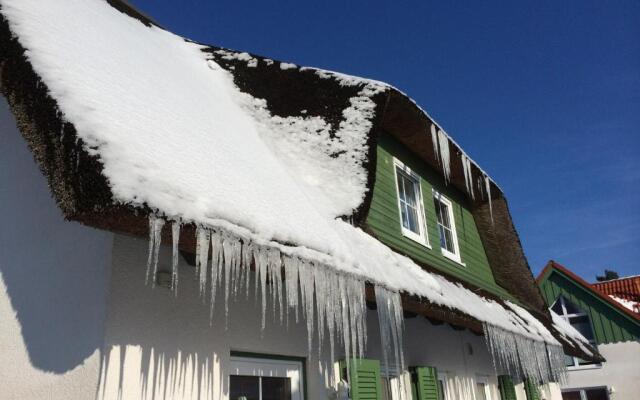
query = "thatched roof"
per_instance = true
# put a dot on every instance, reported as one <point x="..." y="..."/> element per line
<point x="84" y="192"/>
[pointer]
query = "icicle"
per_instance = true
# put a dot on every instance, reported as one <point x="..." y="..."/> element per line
<point x="443" y="142"/>
<point x="487" y="185"/>
<point x="155" y="239"/>
<point x="217" y="258"/>
<point x="261" y="258"/>
<point x="175" y="238"/>
<point x="391" y="321"/>
<point x="247" y="259"/>
<point x="434" y="142"/>
<point x="306" y="292"/>
<point x="291" y="266"/>
<point x="203" y="237"/>
<point x="320" y="276"/>
<point x="152" y="219"/>
<point x="468" y="177"/>
<point x="522" y="357"/>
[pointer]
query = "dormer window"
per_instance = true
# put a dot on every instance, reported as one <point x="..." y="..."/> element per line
<point x="580" y="321"/>
<point x="446" y="227"/>
<point x="410" y="204"/>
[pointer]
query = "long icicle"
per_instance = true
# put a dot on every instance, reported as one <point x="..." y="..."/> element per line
<point x="443" y="142"/>
<point x="158" y="223"/>
<point x="175" y="238"/>
<point x="487" y="185"/>
<point x="434" y="142"/>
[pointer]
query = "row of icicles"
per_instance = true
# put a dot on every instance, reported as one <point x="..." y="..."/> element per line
<point x="440" y="143"/>
<point x="334" y="301"/>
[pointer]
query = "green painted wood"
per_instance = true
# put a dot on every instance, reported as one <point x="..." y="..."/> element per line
<point x="531" y="390"/>
<point x="384" y="219"/>
<point x="609" y="324"/>
<point x="364" y="379"/>
<point x="507" y="388"/>
<point x="424" y="383"/>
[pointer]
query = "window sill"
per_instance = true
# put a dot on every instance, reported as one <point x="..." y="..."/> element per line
<point x="584" y="367"/>
<point x="415" y="238"/>
<point x="453" y="258"/>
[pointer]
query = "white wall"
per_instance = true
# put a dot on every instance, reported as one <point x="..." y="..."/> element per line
<point x="621" y="371"/>
<point x="160" y="345"/>
<point x="53" y="281"/>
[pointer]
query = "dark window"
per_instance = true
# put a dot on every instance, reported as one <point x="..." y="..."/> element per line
<point x="252" y="387"/>
<point x="244" y="387"/>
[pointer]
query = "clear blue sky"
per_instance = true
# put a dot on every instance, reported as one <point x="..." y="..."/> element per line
<point x="545" y="96"/>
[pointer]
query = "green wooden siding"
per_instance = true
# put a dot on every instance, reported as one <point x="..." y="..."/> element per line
<point x="507" y="388"/>
<point x="609" y="324"/>
<point x="364" y="379"/>
<point x="424" y="383"/>
<point x="384" y="219"/>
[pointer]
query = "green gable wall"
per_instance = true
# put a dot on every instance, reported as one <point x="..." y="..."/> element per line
<point x="384" y="219"/>
<point x="609" y="324"/>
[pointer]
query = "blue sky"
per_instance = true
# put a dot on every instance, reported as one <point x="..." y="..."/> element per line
<point x="545" y="96"/>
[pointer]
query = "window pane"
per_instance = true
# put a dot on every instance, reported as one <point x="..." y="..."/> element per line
<point x="408" y="195"/>
<point x="583" y="362"/>
<point x="575" y="395"/>
<point x="572" y="308"/>
<point x="445" y="215"/>
<point x="443" y="239"/>
<point x="245" y="387"/>
<point x="401" y="188"/>
<point x="569" y="361"/>
<point x="557" y="307"/>
<point x="597" y="394"/>
<point x="410" y="191"/>
<point x="582" y="325"/>
<point x="276" y="388"/>
<point x="449" y="241"/>
<point x="412" y="220"/>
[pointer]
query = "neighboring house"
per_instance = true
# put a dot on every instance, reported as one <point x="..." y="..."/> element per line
<point x="609" y="326"/>
<point x="625" y="291"/>
<point x="204" y="223"/>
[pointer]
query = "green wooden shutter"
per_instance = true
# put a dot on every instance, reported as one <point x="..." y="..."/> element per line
<point x="424" y="383"/>
<point x="531" y="389"/>
<point x="507" y="388"/>
<point x="364" y="379"/>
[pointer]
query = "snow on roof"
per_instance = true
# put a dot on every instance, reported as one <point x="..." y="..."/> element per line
<point x="570" y="332"/>
<point x="174" y="133"/>
<point x="628" y="304"/>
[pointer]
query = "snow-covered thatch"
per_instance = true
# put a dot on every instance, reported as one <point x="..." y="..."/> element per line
<point x="170" y="130"/>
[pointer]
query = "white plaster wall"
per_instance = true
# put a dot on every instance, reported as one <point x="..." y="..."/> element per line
<point x="161" y="346"/>
<point x="621" y="371"/>
<point x="53" y="282"/>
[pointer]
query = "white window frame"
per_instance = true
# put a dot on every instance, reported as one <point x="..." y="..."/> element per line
<point x="267" y="367"/>
<point x="423" y="237"/>
<point x="583" y="391"/>
<point x="567" y="317"/>
<point x="483" y="379"/>
<point x="442" y="377"/>
<point x="437" y="196"/>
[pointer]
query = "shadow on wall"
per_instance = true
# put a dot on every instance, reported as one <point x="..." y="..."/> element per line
<point x="162" y="346"/>
<point x="158" y="345"/>
<point x="56" y="272"/>
<point x="160" y="374"/>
